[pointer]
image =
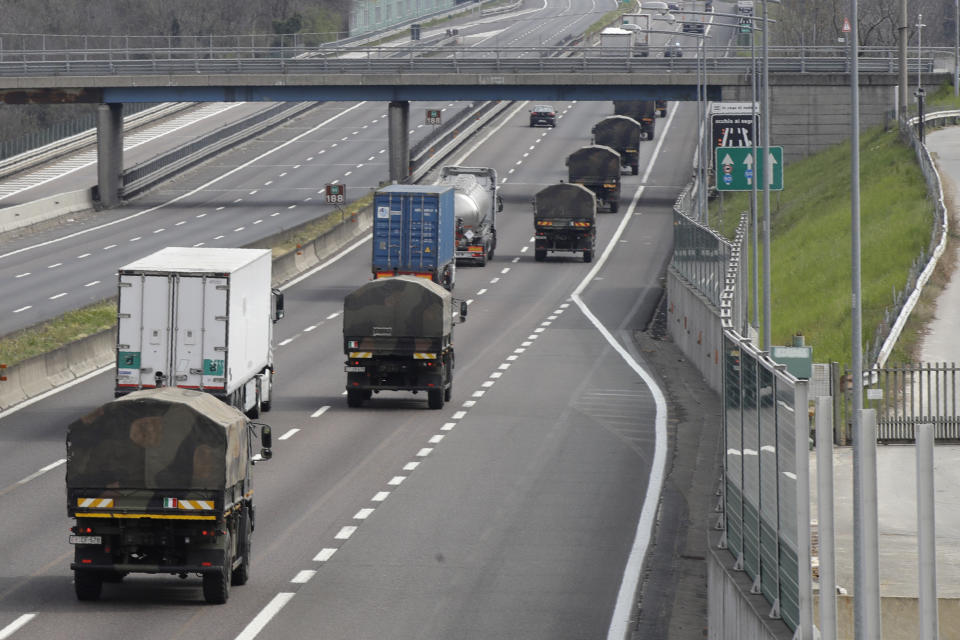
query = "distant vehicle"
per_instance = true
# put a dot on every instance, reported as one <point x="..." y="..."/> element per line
<point x="623" y="135"/>
<point x="643" y="111"/>
<point x="639" y="25"/>
<point x="476" y="202"/>
<point x="708" y="5"/>
<point x="673" y="6"/>
<point x="745" y="7"/>
<point x="597" y="167"/>
<point x="673" y="50"/>
<point x="543" y="114"/>
<point x="655" y="6"/>
<point x="661" y="108"/>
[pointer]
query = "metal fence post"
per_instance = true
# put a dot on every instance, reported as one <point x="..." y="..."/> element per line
<point x="926" y="534"/>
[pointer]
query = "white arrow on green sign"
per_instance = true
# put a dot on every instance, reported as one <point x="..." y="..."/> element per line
<point x="735" y="168"/>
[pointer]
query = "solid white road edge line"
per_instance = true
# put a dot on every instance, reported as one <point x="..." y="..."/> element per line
<point x="620" y="619"/>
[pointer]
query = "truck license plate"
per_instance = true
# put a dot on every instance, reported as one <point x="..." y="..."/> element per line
<point x="355" y="369"/>
<point x="85" y="540"/>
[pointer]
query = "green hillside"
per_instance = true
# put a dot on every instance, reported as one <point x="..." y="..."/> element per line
<point x="811" y="241"/>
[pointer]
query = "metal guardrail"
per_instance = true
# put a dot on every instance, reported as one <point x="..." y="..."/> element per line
<point x="405" y="60"/>
<point x="144" y="175"/>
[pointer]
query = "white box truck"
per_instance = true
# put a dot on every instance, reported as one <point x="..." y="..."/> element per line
<point x="199" y="318"/>
<point x="639" y="23"/>
<point x="616" y="41"/>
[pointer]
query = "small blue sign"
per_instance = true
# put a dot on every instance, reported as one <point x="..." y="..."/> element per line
<point x="748" y="174"/>
<point x="727" y="178"/>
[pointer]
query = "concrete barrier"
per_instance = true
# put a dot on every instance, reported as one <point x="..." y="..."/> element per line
<point x="11" y="392"/>
<point x="62" y="204"/>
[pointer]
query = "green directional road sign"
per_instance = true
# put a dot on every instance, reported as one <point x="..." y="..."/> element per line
<point x="735" y="168"/>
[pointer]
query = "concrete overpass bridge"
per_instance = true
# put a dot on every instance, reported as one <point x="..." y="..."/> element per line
<point x="809" y="89"/>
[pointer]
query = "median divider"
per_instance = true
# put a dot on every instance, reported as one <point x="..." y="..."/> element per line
<point x="62" y="204"/>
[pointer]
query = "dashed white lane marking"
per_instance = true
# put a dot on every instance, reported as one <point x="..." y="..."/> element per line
<point x="363" y="514"/>
<point x="303" y="576"/>
<point x="324" y="555"/>
<point x="436" y="439"/>
<point x="160" y="230"/>
<point x="15" y="626"/>
<point x="396" y="481"/>
<point x="505" y="270"/>
<point x="411" y="466"/>
<point x="481" y="292"/>
<point x="29" y="306"/>
<point x="319" y="412"/>
<point x="487" y="383"/>
<point x="504" y="366"/>
<point x="41" y="471"/>
<point x="345" y="533"/>
<point x="423" y="453"/>
<point x="496" y="374"/>
<point x="55" y="265"/>
<point x="381" y="496"/>
<point x="289" y="434"/>
<point x="310" y="328"/>
<point x="93" y="283"/>
<point x="468" y="403"/>
<point x="59" y="295"/>
<point x="266" y="615"/>
<point x="458" y="415"/>
<point x="524" y="248"/>
<point x="22" y="275"/>
<point x="516" y="259"/>
<point x="447" y="426"/>
<point x="333" y="315"/>
<point x="284" y="343"/>
<point x="83" y="255"/>
<point x="512" y="358"/>
<point x="495" y="281"/>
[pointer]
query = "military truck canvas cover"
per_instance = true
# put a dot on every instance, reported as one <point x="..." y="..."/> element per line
<point x="167" y="438"/>
<point x="399" y="307"/>
<point x="595" y="163"/>
<point x="635" y="109"/>
<point x="617" y="132"/>
<point x="565" y="201"/>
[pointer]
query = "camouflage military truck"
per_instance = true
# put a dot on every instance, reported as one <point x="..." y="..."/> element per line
<point x="597" y="167"/>
<point x="622" y="134"/>
<point x="398" y="336"/>
<point x="159" y="481"/>
<point x="564" y="219"/>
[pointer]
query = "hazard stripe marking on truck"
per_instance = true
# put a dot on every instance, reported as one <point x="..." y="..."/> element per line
<point x="95" y="503"/>
<point x="191" y="505"/>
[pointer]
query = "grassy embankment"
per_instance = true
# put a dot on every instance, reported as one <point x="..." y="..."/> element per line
<point x="811" y="243"/>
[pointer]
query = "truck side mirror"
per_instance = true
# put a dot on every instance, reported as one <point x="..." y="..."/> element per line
<point x="463" y="311"/>
<point x="277" y="304"/>
<point x="499" y="203"/>
<point x="266" y="442"/>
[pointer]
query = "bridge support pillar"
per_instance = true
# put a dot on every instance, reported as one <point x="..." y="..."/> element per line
<point x="398" y="119"/>
<point x="109" y="153"/>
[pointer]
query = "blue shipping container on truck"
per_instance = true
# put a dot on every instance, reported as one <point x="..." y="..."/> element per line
<point x="413" y="228"/>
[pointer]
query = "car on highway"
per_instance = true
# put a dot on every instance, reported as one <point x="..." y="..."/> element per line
<point x="543" y="114"/>
<point x="673" y="6"/>
<point x="673" y="50"/>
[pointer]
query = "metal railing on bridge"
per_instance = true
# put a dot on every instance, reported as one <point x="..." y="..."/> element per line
<point x="153" y="56"/>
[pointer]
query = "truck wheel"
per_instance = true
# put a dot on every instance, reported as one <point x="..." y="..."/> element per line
<point x="448" y="393"/>
<point x="87" y="584"/>
<point x="636" y="168"/>
<point x="354" y="397"/>
<point x="539" y="254"/>
<point x="483" y="259"/>
<point x="216" y="584"/>
<point x="435" y="398"/>
<point x="588" y="256"/>
<point x="241" y="574"/>
<point x="614" y="206"/>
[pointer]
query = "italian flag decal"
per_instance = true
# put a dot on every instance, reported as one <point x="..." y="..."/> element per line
<point x="170" y="503"/>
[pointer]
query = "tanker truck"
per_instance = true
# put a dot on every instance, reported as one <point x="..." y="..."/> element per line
<point x="564" y="219"/>
<point x="643" y="111"/>
<point x="398" y="336"/>
<point x="622" y="134"/>
<point x="159" y="481"/>
<point x="476" y="202"/>
<point x="597" y="167"/>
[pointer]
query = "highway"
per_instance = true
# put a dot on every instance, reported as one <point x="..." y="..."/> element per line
<point x="513" y="512"/>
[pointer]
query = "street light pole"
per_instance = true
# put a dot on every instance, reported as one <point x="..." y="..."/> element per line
<point x="956" y="48"/>
<point x="765" y="123"/>
<point x="866" y="544"/>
